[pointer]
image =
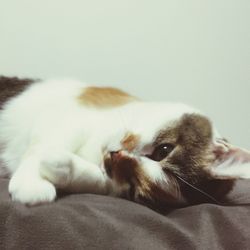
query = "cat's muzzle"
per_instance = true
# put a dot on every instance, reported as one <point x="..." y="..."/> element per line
<point x="120" y="166"/>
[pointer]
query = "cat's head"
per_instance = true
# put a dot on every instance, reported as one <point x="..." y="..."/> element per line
<point x="179" y="163"/>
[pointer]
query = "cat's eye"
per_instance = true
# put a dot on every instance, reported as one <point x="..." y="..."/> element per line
<point x="161" y="152"/>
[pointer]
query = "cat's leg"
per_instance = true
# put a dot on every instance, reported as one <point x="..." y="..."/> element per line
<point x="72" y="173"/>
<point x="27" y="185"/>
<point x="44" y="169"/>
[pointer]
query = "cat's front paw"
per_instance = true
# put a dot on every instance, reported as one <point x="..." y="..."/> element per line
<point x="31" y="191"/>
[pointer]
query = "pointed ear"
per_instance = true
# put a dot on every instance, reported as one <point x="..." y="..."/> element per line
<point x="230" y="161"/>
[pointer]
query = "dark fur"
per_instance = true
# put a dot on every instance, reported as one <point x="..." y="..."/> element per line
<point x="11" y="86"/>
<point x="194" y="137"/>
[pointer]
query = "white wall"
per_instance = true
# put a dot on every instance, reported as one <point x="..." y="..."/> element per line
<point x="192" y="51"/>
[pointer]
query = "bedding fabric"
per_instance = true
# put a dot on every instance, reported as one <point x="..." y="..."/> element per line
<point x="87" y="221"/>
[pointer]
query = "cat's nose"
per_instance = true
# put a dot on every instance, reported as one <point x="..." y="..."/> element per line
<point x="115" y="155"/>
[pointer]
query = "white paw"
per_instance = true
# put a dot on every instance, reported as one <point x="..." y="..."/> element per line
<point x="31" y="191"/>
<point x="57" y="168"/>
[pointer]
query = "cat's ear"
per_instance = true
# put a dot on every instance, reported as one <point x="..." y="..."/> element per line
<point x="230" y="161"/>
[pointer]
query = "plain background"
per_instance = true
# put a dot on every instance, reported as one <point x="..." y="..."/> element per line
<point x="195" y="51"/>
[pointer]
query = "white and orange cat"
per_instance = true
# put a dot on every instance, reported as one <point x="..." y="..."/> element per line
<point x="78" y="138"/>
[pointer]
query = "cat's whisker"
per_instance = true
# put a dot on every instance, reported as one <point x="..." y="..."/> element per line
<point x="197" y="189"/>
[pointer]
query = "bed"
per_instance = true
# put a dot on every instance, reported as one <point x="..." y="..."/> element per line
<point x="87" y="221"/>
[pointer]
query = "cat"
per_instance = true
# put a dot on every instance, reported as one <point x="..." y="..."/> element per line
<point x="66" y="135"/>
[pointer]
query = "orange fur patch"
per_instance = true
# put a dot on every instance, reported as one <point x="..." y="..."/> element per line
<point x="130" y="141"/>
<point x="105" y="97"/>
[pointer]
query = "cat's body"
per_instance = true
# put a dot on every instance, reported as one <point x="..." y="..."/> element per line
<point x="64" y="134"/>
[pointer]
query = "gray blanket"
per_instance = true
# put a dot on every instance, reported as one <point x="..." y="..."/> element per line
<point x="87" y="221"/>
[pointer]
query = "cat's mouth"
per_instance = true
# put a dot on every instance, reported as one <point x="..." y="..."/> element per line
<point x="120" y="166"/>
<point x="121" y="169"/>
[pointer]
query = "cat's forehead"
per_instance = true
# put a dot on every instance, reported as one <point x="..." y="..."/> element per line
<point x="189" y="128"/>
<point x="172" y="122"/>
